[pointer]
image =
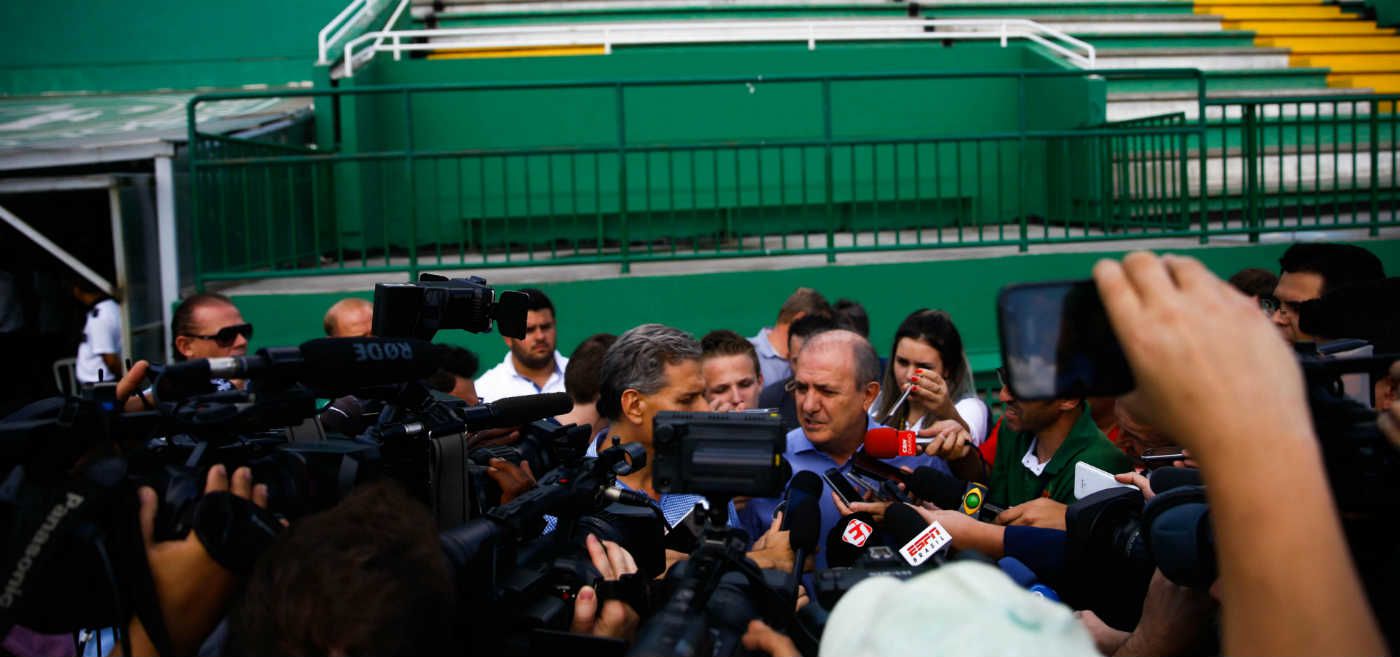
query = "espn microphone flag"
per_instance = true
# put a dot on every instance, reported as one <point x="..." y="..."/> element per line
<point x="918" y="540"/>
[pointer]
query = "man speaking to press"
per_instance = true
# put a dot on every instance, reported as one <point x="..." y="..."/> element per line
<point x="836" y="381"/>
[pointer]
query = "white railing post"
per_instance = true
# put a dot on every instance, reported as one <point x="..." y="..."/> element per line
<point x="397" y="55"/>
<point x="607" y="41"/>
<point x="1003" y="34"/>
<point x="811" y="37"/>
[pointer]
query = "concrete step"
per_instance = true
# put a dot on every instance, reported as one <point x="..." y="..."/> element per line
<point x="1206" y="59"/>
<point x="1132" y="23"/>
<point x="1123" y="106"/>
<point x="1310" y="28"/>
<point x="1384" y="83"/>
<point x="1372" y="63"/>
<point x="1267" y="12"/>
<point x="1231" y="80"/>
<point x="1316" y="45"/>
<point x="1119" y="40"/>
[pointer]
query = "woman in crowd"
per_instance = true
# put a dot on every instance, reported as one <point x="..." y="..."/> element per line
<point x="928" y="355"/>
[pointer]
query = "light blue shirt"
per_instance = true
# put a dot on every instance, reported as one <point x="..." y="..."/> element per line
<point x="757" y="515"/>
<point x="774" y="368"/>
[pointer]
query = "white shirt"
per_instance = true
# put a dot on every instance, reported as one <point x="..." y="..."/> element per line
<point x="1031" y="461"/>
<point x="102" y="334"/>
<point x="503" y="381"/>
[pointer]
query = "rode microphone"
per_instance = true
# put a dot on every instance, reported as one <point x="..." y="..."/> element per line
<point x="846" y="541"/>
<point x="332" y="366"/>
<point x="918" y="540"/>
<point x="948" y="492"/>
<point x="888" y="442"/>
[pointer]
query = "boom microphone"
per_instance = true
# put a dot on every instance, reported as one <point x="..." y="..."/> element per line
<point x="507" y="412"/>
<point x="332" y="366"/>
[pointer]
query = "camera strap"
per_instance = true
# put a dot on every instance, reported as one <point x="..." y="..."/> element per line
<point x="630" y="589"/>
<point x="234" y="530"/>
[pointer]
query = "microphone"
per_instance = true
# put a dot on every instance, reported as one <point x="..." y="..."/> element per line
<point x="802" y="520"/>
<point x="333" y="366"/>
<point x="846" y="541"/>
<point x="1026" y="578"/>
<point x="947" y="492"/>
<point x="507" y="412"/>
<point x="515" y="411"/>
<point x="1165" y="479"/>
<point x="888" y="442"/>
<point x="919" y="541"/>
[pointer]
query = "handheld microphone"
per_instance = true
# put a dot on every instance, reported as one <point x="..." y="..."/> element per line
<point x="846" y="541"/>
<point x="333" y="366"/>
<point x="802" y="519"/>
<point x="888" y="442"/>
<point x="947" y="492"/>
<point x="1026" y="578"/>
<point x="919" y="541"/>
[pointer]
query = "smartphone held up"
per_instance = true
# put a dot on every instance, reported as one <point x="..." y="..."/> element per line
<point x="1056" y="342"/>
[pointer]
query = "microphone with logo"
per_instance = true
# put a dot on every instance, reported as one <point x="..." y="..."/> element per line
<point x="847" y="541"/>
<point x="901" y="546"/>
<point x="330" y="366"/>
<point x="948" y="492"/>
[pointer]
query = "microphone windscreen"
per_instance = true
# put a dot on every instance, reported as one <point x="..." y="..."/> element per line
<point x="847" y="540"/>
<point x="902" y="524"/>
<point x="1018" y="572"/>
<point x="943" y="490"/>
<point x="1165" y="479"/>
<point x="348" y="364"/>
<point x="882" y="442"/>
<point x="803" y="516"/>
<point x="512" y="411"/>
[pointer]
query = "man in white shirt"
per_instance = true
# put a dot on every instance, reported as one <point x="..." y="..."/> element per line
<point x="100" y="354"/>
<point x="532" y="365"/>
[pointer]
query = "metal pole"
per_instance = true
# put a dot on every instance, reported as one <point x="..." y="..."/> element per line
<point x="167" y="245"/>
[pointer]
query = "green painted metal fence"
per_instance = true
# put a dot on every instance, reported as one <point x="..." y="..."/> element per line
<point x="262" y="211"/>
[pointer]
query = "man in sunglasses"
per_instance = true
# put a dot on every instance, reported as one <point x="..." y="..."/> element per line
<point x="1310" y="270"/>
<point x="209" y="326"/>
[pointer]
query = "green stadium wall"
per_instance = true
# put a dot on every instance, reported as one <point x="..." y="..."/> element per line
<point x="473" y="196"/>
<point x="747" y="300"/>
<point x="142" y="45"/>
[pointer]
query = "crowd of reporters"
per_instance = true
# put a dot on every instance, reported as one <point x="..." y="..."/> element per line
<point x="1021" y="562"/>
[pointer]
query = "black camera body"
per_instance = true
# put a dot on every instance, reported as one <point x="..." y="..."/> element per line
<point x="719" y="455"/>
<point x="876" y="561"/>
<point x="434" y="303"/>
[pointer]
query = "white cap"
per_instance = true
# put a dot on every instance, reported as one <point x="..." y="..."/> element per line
<point x="962" y="608"/>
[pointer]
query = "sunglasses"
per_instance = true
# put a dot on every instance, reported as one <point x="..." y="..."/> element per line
<point x="228" y="334"/>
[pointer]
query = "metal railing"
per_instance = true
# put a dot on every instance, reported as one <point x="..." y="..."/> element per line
<point x="404" y="206"/>
<point x="362" y="49"/>
<point x="350" y="23"/>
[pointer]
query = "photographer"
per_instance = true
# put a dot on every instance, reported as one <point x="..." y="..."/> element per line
<point x="928" y="361"/>
<point x="1210" y="373"/>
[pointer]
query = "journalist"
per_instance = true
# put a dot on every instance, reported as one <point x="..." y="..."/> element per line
<point x="532" y="364"/>
<point x="928" y="361"/>
<point x="1310" y="270"/>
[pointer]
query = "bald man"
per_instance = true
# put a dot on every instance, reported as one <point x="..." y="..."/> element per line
<point x="350" y="318"/>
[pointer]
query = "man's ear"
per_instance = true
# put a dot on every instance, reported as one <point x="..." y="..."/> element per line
<point x="634" y="406"/>
<point x="1067" y="405"/>
<point x="182" y="345"/>
<point x="871" y="391"/>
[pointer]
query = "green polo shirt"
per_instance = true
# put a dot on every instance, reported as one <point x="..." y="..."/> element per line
<point x="1013" y="484"/>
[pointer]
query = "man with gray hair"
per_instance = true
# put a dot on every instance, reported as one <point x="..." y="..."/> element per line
<point x="654" y="368"/>
<point x="836" y="380"/>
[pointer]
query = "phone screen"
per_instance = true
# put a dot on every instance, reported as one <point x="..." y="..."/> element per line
<point x="844" y="489"/>
<point x="1056" y="342"/>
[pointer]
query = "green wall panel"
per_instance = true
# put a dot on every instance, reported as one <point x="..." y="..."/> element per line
<point x="477" y="197"/>
<point x="747" y="300"/>
<point x="125" y="45"/>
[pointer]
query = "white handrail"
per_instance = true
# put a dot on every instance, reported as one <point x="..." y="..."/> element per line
<point x="612" y="34"/>
<point x="323" y="40"/>
<point x="389" y="25"/>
